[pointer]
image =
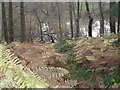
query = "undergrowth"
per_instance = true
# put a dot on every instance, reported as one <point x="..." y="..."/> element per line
<point x="14" y="75"/>
<point x="90" y="75"/>
<point x="63" y="47"/>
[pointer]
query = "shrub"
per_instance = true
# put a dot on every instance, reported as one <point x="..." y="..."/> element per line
<point x="63" y="47"/>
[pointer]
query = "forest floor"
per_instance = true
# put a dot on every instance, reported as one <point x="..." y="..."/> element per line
<point x="91" y="62"/>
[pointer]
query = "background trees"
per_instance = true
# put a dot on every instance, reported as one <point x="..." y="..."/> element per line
<point x="55" y="21"/>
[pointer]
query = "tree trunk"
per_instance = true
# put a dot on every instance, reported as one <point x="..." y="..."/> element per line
<point x="112" y="18"/>
<point x="10" y="24"/>
<point x="1" y="33"/>
<point x="77" y="19"/>
<point x="49" y="33"/>
<point x="4" y="23"/>
<point x="71" y="18"/>
<point x="59" y="18"/>
<point x="52" y="39"/>
<point x="40" y="25"/>
<point x="29" y="33"/>
<point x="118" y="17"/>
<point x="0" y="22"/>
<point x="22" y="22"/>
<point x="41" y="32"/>
<point x="90" y="20"/>
<point x="101" y="19"/>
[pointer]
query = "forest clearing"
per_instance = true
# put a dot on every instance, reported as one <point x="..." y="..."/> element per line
<point x="58" y="45"/>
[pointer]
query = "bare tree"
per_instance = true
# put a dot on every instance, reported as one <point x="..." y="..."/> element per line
<point x="101" y="19"/>
<point x="112" y="17"/>
<point x="4" y="23"/>
<point x="118" y="17"/>
<point x="49" y="28"/>
<point x="10" y="24"/>
<point x="40" y="24"/>
<point x="90" y="20"/>
<point x="22" y="21"/>
<point x="49" y="33"/>
<point x="59" y="18"/>
<point x="1" y="22"/>
<point x="71" y="18"/>
<point x="77" y="19"/>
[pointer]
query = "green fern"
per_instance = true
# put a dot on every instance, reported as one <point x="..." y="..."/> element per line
<point x="13" y="74"/>
<point x="50" y="72"/>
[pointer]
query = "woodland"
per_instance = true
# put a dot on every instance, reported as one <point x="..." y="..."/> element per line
<point x="56" y="45"/>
